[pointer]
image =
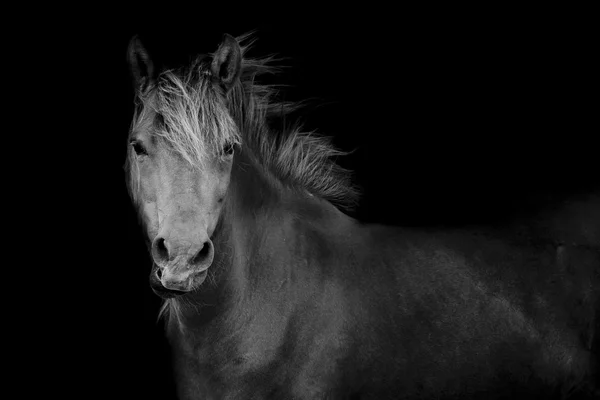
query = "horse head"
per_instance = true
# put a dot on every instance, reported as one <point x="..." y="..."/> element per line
<point x="182" y="144"/>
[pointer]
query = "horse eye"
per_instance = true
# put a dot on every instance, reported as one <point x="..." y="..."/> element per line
<point x="228" y="149"/>
<point x="138" y="147"/>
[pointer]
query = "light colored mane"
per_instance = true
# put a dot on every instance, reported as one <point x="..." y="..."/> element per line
<point x="197" y="123"/>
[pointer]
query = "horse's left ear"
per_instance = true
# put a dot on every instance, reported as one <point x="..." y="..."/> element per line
<point x="227" y="62"/>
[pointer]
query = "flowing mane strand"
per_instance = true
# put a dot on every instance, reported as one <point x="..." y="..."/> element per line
<point x="195" y="120"/>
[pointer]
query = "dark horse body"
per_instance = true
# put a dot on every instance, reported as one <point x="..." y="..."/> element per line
<point x="387" y="312"/>
<point x="304" y="302"/>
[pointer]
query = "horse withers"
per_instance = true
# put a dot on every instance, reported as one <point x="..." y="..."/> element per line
<point x="272" y="292"/>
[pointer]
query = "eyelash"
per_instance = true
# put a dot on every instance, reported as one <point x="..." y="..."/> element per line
<point x="138" y="147"/>
<point x="228" y="149"/>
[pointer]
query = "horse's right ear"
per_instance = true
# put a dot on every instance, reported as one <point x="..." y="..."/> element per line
<point x="140" y="64"/>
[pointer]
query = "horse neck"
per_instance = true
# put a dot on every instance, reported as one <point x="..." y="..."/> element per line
<point x="256" y="209"/>
<point x="281" y="235"/>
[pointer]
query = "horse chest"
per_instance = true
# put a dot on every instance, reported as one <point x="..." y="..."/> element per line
<point x="275" y="353"/>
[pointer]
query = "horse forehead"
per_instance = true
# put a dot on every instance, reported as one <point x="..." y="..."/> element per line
<point x="144" y="120"/>
<point x="177" y="173"/>
<point x="144" y="123"/>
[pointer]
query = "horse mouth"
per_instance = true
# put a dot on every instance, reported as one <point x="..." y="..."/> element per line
<point x="164" y="293"/>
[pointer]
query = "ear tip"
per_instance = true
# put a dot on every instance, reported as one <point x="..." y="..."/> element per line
<point x="134" y="40"/>
<point x="135" y="45"/>
<point x="229" y="38"/>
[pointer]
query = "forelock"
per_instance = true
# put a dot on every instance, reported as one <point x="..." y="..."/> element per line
<point x="191" y="114"/>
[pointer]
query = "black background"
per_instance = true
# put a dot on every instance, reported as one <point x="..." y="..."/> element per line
<point x="455" y="116"/>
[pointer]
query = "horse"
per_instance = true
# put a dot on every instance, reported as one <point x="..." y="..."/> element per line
<point x="272" y="291"/>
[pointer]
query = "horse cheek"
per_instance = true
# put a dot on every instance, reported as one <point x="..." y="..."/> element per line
<point x="149" y="196"/>
<point x="151" y="218"/>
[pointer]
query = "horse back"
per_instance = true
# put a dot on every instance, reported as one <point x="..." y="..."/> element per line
<point x="448" y="313"/>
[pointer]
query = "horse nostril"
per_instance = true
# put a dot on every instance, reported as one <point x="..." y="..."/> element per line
<point x="161" y="253"/>
<point x="158" y="273"/>
<point x="203" y="254"/>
